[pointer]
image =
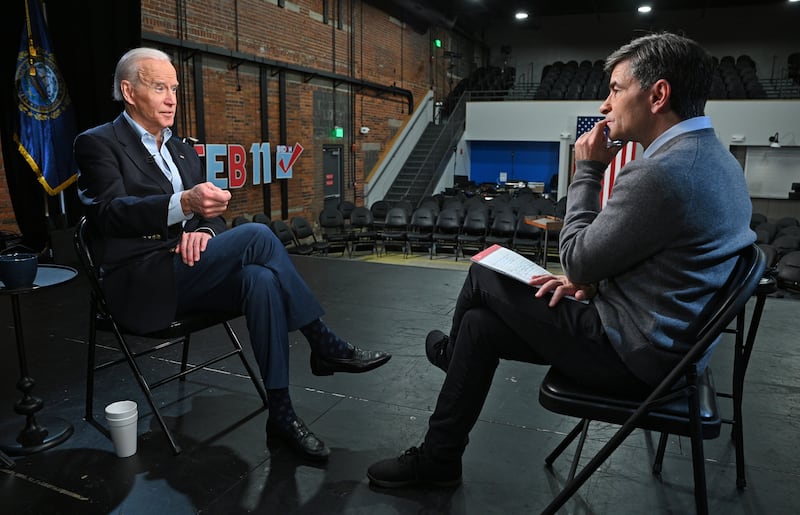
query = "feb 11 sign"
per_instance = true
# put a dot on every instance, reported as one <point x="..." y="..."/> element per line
<point x="226" y="163"/>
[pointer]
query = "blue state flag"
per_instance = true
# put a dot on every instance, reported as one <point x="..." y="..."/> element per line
<point x="46" y="115"/>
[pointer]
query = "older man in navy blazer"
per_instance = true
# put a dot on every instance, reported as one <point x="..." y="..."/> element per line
<point x="163" y="247"/>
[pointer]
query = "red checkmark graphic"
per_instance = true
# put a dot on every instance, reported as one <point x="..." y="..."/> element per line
<point x="296" y="151"/>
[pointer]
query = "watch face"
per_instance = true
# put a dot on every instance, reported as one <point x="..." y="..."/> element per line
<point x="40" y="87"/>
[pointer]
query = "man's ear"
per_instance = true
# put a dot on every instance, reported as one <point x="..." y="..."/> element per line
<point x="660" y="93"/>
<point x="126" y="87"/>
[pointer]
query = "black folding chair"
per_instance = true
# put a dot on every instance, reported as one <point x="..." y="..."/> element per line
<point x="178" y="333"/>
<point x="744" y="339"/>
<point x="682" y="404"/>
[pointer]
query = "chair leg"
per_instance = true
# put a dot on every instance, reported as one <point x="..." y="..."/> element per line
<point x="581" y="426"/>
<point x="662" y="448"/>
<point x="137" y="373"/>
<point x="739" y="367"/>
<point x="578" y="450"/>
<point x="743" y="351"/>
<point x="185" y="356"/>
<point x="602" y="455"/>
<point x="698" y="461"/>
<point x="90" y="366"/>
<point x="255" y="379"/>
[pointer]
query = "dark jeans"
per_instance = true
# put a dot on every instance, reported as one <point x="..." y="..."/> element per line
<point x="498" y="317"/>
<point x="248" y="269"/>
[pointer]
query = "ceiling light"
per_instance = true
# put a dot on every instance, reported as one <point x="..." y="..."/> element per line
<point x="521" y="15"/>
<point x="644" y="9"/>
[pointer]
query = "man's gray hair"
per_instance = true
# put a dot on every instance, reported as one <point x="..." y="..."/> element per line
<point x="128" y="67"/>
<point x="682" y="62"/>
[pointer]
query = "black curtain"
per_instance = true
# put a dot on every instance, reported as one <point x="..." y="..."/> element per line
<point x="87" y="37"/>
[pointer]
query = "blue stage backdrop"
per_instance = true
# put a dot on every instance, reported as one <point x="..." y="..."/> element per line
<point x="532" y="161"/>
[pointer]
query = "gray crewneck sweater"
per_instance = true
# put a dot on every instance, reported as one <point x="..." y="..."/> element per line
<point x="662" y="245"/>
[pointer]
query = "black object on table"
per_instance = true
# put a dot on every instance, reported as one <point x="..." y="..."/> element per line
<point x="34" y="437"/>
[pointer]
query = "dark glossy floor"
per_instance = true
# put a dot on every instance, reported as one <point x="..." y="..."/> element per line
<point x="226" y="466"/>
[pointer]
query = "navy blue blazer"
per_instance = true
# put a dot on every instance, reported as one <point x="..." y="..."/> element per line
<point x="126" y="197"/>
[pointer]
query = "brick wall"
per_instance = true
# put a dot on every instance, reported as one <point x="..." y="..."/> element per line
<point x="7" y="221"/>
<point x="371" y="46"/>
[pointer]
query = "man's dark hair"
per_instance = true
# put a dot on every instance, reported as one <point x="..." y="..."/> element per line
<point x="682" y="62"/>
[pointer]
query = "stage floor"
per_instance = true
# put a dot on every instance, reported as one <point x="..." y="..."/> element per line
<point x="226" y="466"/>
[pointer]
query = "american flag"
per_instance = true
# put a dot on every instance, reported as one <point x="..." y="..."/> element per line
<point x="625" y="154"/>
<point x="585" y="124"/>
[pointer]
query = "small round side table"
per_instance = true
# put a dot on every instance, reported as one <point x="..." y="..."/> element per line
<point x="34" y="437"/>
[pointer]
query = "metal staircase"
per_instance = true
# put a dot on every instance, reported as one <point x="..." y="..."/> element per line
<point x="426" y="163"/>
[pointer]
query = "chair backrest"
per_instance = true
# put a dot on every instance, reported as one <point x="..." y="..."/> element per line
<point x="787" y="221"/>
<point x="768" y="229"/>
<point x="405" y="205"/>
<point x="301" y="228"/>
<point x="504" y="223"/>
<point x="561" y="207"/>
<point x="476" y="221"/>
<point x="771" y="253"/>
<point x="497" y="205"/>
<point x="379" y="209"/>
<point x="82" y="242"/>
<point x="789" y="230"/>
<point x="430" y="203"/>
<point x="239" y="220"/>
<point x="474" y="201"/>
<point x="397" y="218"/>
<point x="526" y="231"/>
<point x="361" y="218"/>
<point x="331" y="218"/>
<point x="451" y="202"/>
<point x="346" y="207"/>
<point x="788" y="271"/>
<point x="785" y="244"/>
<point x="261" y="218"/>
<point x="423" y="219"/>
<point x="545" y="206"/>
<point x="283" y="232"/>
<point x="757" y="219"/>
<point x="449" y="220"/>
<point x="720" y="311"/>
<point x="454" y="204"/>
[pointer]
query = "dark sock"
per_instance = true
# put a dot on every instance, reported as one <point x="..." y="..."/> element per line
<point x="281" y="412"/>
<point x="324" y="341"/>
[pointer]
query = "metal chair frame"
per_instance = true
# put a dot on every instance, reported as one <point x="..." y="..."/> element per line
<point x="178" y="333"/>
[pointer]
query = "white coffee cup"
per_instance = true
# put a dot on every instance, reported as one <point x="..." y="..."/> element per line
<point x="122" y="418"/>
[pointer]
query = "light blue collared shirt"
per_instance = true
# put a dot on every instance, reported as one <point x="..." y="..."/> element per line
<point x="692" y="124"/>
<point x="164" y="160"/>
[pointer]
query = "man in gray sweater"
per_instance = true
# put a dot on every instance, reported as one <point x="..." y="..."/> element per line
<point x="646" y="263"/>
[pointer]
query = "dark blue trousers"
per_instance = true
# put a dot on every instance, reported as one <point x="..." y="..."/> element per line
<point x="248" y="269"/>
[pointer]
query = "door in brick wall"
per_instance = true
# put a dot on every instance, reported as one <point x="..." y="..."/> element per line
<point x="332" y="164"/>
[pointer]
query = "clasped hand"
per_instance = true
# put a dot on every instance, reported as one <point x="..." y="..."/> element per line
<point x="560" y="286"/>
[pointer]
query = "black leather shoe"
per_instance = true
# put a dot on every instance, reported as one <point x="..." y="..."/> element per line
<point x="301" y="440"/>
<point x="414" y="468"/>
<point x="436" y="349"/>
<point x="360" y="361"/>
